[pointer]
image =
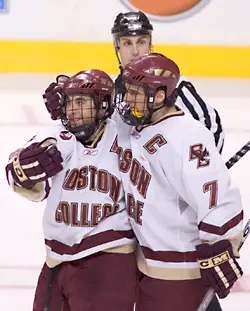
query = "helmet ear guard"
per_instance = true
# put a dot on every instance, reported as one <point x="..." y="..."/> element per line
<point x="171" y="99"/>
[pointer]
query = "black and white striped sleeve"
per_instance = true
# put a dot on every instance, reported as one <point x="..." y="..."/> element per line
<point x="190" y="101"/>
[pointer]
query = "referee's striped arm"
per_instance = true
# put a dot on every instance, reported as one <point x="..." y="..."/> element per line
<point x="190" y="101"/>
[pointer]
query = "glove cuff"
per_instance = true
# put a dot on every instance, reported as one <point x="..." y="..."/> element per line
<point x="20" y="178"/>
<point x="19" y="172"/>
<point x="212" y="255"/>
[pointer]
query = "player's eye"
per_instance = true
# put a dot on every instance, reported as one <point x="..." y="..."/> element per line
<point x="126" y="43"/>
<point x="79" y="101"/>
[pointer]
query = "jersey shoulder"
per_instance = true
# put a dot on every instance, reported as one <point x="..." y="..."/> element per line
<point x="57" y="133"/>
<point x="190" y="146"/>
<point x="184" y="131"/>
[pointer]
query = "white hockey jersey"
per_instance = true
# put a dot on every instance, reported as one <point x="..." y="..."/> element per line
<point x="178" y="194"/>
<point x="85" y="209"/>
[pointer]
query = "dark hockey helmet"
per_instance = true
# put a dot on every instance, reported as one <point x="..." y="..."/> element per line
<point x="99" y="86"/>
<point x="131" y="24"/>
<point x="153" y="72"/>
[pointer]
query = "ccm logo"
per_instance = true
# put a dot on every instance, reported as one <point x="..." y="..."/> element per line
<point x="90" y="152"/>
<point x="214" y="261"/>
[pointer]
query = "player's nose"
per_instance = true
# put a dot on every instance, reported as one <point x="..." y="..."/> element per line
<point x="135" y="51"/>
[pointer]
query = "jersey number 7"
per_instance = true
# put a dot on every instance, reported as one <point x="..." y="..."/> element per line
<point x="211" y="187"/>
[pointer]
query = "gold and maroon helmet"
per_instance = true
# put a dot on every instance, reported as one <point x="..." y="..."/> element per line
<point x="152" y="72"/>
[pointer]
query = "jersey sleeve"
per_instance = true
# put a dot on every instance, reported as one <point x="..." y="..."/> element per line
<point x="64" y="142"/>
<point x="204" y="182"/>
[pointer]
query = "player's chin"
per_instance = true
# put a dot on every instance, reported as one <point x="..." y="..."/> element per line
<point x="79" y="123"/>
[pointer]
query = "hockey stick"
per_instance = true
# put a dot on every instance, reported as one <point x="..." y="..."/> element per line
<point x="210" y="293"/>
<point x="51" y="277"/>
<point x="238" y="155"/>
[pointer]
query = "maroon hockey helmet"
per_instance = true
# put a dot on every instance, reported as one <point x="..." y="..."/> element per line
<point x="89" y="81"/>
<point x="98" y="85"/>
<point x="152" y="72"/>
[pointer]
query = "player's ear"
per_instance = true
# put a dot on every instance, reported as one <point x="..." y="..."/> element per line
<point x="160" y="97"/>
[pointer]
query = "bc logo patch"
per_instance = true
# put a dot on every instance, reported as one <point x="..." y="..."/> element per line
<point x="65" y="135"/>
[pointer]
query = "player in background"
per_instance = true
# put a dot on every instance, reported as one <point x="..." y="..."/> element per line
<point x="185" y="213"/>
<point x="89" y="243"/>
<point x="132" y="37"/>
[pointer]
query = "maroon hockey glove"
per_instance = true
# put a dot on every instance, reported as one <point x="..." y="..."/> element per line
<point x="34" y="164"/>
<point x="219" y="268"/>
<point x="53" y="97"/>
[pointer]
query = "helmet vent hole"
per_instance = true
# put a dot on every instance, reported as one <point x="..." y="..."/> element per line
<point x="138" y="78"/>
<point x="88" y="85"/>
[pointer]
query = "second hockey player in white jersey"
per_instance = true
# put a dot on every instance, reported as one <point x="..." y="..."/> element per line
<point x="88" y="237"/>
<point x="185" y="213"/>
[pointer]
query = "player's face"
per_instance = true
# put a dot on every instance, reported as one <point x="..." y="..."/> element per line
<point x="80" y="110"/>
<point x="135" y="97"/>
<point x="132" y="47"/>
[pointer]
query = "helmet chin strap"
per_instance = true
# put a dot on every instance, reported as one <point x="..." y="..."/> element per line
<point x="84" y="133"/>
<point x="151" y="49"/>
<point x="119" y="61"/>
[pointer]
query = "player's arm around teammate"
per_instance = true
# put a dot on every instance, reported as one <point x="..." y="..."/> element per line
<point x="90" y="262"/>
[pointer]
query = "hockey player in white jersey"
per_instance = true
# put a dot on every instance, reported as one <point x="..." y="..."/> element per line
<point x="132" y="36"/>
<point x="185" y="213"/>
<point x="90" y="262"/>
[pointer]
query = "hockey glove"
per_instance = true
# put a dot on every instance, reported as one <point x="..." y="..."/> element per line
<point x="53" y="97"/>
<point x="219" y="268"/>
<point x="35" y="164"/>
